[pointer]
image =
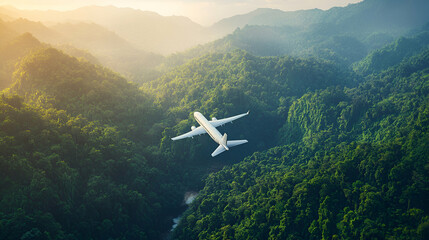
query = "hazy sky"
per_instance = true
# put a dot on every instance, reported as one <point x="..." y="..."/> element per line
<point x="204" y="12"/>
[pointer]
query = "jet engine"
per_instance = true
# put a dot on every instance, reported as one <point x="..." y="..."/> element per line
<point x="214" y="119"/>
<point x="193" y="128"/>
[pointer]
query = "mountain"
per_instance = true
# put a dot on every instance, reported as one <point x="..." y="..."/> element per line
<point x="154" y="33"/>
<point x="348" y="162"/>
<point x="146" y="30"/>
<point x="99" y="42"/>
<point x="12" y="52"/>
<point x="91" y="36"/>
<point x="37" y="29"/>
<point x="342" y="35"/>
<point x="393" y="53"/>
<point x="367" y="16"/>
<point x="65" y="145"/>
<point x="268" y="17"/>
<point x="111" y="49"/>
<point x="79" y="88"/>
<point x="223" y="84"/>
<point x="395" y="17"/>
<point x="78" y="53"/>
<point x="284" y="40"/>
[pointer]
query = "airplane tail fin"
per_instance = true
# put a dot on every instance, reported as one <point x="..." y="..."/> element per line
<point x="232" y="143"/>
<point x="224" y="138"/>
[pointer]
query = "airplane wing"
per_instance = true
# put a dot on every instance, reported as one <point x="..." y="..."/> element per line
<point x="197" y="131"/>
<point x="220" y="122"/>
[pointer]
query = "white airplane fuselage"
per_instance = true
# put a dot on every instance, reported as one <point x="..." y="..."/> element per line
<point x="212" y="131"/>
<point x="209" y="127"/>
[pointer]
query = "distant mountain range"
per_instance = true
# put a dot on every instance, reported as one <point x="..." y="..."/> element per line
<point x="152" y="32"/>
<point x="368" y="15"/>
<point x="269" y="17"/>
<point x="132" y="42"/>
<point x="343" y="35"/>
<point x="147" y="31"/>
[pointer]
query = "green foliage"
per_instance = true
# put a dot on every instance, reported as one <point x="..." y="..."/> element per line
<point x="343" y="35"/>
<point x="52" y="79"/>
<point x="231" y="83"/>
<point x="262" y="40"/>
<point x="76" y="155"/>
<point x="352" y="164"/>
<point x="353" y="191"/>
<point x="392" y="54"/>
<point x="66" y="177"/>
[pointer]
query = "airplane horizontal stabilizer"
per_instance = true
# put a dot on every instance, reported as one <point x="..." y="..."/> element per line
<point x="234" y="143"/>
<point x="218" y="151"/>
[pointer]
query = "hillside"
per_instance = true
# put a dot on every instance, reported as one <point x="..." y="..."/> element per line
<point x="93" y="42"/>
<point x="231" y="83"/>
<point x="352" y="160"/>
<point x="342" y="35"/>
<point x="12" y="52"/>
<point x="148" y="31"/>
<point x="393" y="53"/>
<point x="112" y="50"/>
<point x="76" y="145"/>
<point x="268" y="17"/>
<point x="79" y="87"/>
<point x="360" y="19"/>
<point x="37" y="29"/>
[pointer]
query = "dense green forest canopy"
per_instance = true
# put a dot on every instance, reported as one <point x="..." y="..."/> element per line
<point x="65" y="177"/>
<point x="354" y="159"/>
<point x="231" y="83"/>
<point x="73" y="165"/>
<point x="338" y="136"/>
<point x="342" y="35"/>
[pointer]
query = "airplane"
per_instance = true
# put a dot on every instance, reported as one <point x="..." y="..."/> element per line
<point x="210" y="128"/>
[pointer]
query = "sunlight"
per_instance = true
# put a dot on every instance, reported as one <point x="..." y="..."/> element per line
<point x="203" y="12"/>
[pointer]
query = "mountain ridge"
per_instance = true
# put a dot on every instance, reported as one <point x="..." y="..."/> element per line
<point x="147" y="30"/>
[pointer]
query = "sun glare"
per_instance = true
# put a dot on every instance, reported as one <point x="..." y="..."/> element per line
<point x="203" y="12"/>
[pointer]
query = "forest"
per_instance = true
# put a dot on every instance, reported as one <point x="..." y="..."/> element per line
<point x="338" y="131"/>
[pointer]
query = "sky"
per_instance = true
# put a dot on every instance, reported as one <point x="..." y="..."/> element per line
<point x="204" y="12"/>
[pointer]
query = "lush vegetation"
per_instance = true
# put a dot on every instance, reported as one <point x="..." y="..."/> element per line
<point x="342" y="35"/>
<point x="338" y="138"/>
<point x="353" y="159"/>
<point x="65" y="177"/>
<point x="393" y="53"/>
<point x="77" y="155"/>
<point x="227" y="84"/>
